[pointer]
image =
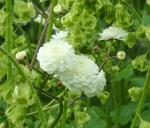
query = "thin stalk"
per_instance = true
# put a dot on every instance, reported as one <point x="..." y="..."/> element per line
<point x="58" y="116"/>
<point x="13" y="61"/>
<point x="44" y="109"/>
<point x="40" y="42"/>
<point x="9" y="35"/>
<point x="64" y="114"/>
<point x="26" y="36"/>
<point x="134" y="11"/>
<point x="50" y="27"/>
<point x="142" y="99"/>
<point x="54" y="123"/>
<point x="39" y="108"/>
<point x="116" y="104"/>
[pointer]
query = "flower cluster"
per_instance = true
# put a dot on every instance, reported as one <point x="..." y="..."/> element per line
<point x="77" y="72"/>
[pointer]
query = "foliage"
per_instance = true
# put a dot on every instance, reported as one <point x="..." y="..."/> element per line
<point x="31" y="98"/>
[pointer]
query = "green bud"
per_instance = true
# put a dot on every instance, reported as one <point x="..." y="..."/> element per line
<point x="135" y="93"/>
<point x="3" y="125"/>
<point x="58" y="9"/>
<point x="104" y="96"/>
<point x="148" y="2"/>
<point x="143" y="123"/>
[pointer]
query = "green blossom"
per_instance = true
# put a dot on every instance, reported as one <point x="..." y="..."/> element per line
<point x="141" y="63"/>
<point x="16" y="115"/>
<point x="23" y="11"/>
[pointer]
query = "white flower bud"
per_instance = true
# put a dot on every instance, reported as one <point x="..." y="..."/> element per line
<point x="121" y="55"/>
<point x="21" y="55"/>
<point x="58" y="9"/>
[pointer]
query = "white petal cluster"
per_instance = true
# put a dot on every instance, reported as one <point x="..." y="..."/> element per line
<point x="61" y="35"/>
<point x="56" y="56"/>
<point x="77" y="72"/>
<point x="113" y="33"/>
<point x="84" y="77"/>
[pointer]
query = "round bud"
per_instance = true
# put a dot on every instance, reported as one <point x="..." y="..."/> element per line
<point x="121" y="55"/>
<point x="2" y="125"/>
<point x="103" y="96"/>
<point x="58" y="9"/>
<point x="21" y="55"/>
<point x="96" y="49"/>
<point x="144" y="123"/>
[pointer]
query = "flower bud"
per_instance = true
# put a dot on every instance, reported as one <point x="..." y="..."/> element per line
<point x="21" y="55"/>
<point x="3" y="125"/>
<point x="143" y="123"/>
<point x="57" y="9"/>
<point x="121" y="55"/>
<point x="103" y="96"/>
<point x="96" y="49"/>
<point x="135" y="93"/>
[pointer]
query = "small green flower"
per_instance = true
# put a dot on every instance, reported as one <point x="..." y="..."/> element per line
<point x="135" y="93"/>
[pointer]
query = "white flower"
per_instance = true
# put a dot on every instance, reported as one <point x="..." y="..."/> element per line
<point x="84" y="77"/>
<point x="56" y="56"/>
<point x="61" y="35"/>
<point x="113" y="33"/>
<point x="21" y="55"/>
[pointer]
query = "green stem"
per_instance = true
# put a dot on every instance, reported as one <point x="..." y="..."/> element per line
<point x="39" y="108"/>
<point x="142" y="99"/>
<point x="59" y="115"/>
<point x="9" y="35"/>
<point x="13" y="61"/>
<point x="116" y="104"/>
<point x="26" y="36"/>
<point x="44" y="109"/>
<point x="50" y="27"/>
<point x="40" y="42"/>
<point x="134" y="11"/>
<point x="64" y="114"/>
<point x="60" y="106"/>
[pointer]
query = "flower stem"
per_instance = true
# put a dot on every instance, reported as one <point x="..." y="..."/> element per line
<point x="50" y="27"/>
<point x="64" y="114"/>
<point x="26" y="36"/>
<point x="9" y="35"/>
<point x="116" y="103"/>
<point x="39" y="108"/>
<point x="40" y="42"/>
<point x="142" y="99"/>
<point x="44" y="109"/>
<point x="13" y="61"/>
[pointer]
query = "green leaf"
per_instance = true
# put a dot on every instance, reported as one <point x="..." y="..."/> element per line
<point x="125" y="73"/>
<point x="97" y="118"/>
<point x="126" y="113"/>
